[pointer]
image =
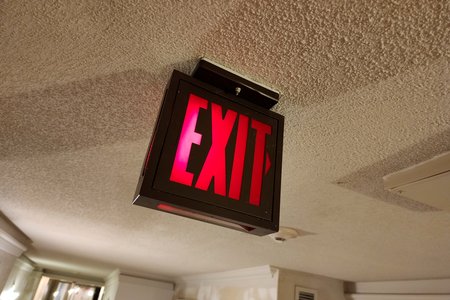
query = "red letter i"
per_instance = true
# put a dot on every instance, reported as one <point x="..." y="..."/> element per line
<point x="258" y="160"/>
<point x="239" y="158"/>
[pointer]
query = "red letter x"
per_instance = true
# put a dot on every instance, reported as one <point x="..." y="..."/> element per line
<point x="215" y="161"/>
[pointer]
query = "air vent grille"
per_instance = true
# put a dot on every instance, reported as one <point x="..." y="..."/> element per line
<point x="305" y="294"/>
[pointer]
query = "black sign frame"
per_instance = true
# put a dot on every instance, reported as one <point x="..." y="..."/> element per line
<point x="151" y="191"/>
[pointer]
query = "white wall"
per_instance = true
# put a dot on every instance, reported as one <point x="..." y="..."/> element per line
<point x="23" y="279"/>
<point x="134" y="288"/>
<point x="6" y="264"/>
<point x="431" y="286"/>
<point x="258" y="283"/>
<point x="327" y="288"/>
<point x="111" y="286"/>
<point x="433" y="289"/>
<point x="395" y="297"/>
<point x="13" y="243"/>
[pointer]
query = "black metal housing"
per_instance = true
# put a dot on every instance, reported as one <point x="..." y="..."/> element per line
<point x="154" y="192"/>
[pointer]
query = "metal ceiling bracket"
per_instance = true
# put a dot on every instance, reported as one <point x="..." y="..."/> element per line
<point x="235" y="84"/>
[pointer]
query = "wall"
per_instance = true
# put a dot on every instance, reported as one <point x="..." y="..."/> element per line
<point x="327" y="288"/>
<point x="23" y="279"/>
<point x="433" y="289"/>
<point x="143" y="289"/>
<point x="6" y="264"/>
<point x="258" y="283"/>
<point x="111" y="285"/>
<point x="13" y="243"/>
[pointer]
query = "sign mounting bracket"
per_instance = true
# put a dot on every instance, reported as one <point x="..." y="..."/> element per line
<point x="229" y="82"/>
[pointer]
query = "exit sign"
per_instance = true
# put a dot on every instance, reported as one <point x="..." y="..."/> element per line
<point x="214" y="157"/>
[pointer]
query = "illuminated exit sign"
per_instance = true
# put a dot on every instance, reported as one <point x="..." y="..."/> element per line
<point x="214" y="157"/>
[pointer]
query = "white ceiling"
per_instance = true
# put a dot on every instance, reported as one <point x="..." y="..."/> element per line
<point x="365" y="92"/>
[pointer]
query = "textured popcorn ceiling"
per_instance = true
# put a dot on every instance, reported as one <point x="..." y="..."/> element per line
<point x="365" y="90"/>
